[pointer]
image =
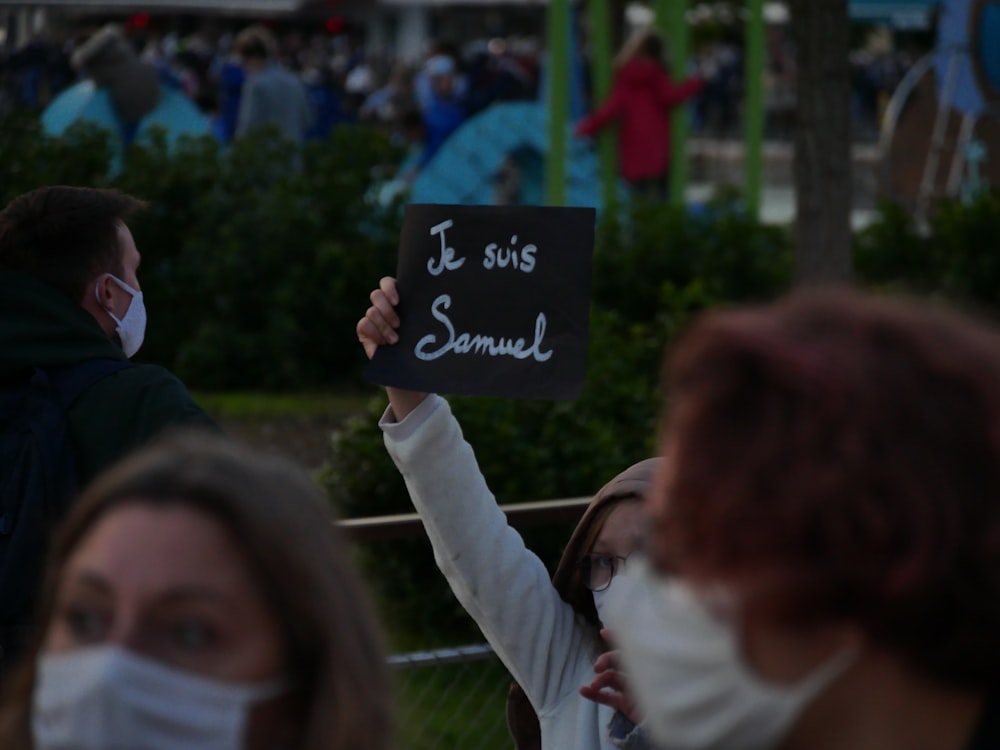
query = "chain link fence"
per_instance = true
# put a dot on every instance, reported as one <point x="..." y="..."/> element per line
<point x="447" y="698"/>
<point x="451" y="699"/>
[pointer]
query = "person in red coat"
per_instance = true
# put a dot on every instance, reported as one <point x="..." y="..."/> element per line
<point x="641" y="101"/>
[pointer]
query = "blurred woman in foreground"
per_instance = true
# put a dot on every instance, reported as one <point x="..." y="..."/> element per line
<point x="827" y="533"/>
<point x="198" y="597"/>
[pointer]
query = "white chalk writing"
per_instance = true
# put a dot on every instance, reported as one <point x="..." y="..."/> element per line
<point x="466" y="343"/>
<point x="447" y="261"/>
<point x="497" y="257"/>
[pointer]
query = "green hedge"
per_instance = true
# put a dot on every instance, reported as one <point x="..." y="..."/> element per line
<point x="253" y="269"/>
<point x="255" y="274"/>
<point x="642" y="264"/>
<point x="956" y="256"/>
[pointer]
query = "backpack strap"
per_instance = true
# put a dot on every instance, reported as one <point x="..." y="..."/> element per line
<point x="68" y="383"/>
<point x="51" y="454"/>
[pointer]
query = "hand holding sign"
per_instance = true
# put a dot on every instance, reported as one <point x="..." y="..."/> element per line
<point x="494" y="301"/>
<point x="378" y="328"/>
<point x="380" y="322"/>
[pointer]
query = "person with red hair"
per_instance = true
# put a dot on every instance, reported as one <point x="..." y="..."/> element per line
<point x="825" y="566"/>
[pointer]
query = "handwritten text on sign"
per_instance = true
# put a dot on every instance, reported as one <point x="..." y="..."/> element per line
<point x="463" y="343"/>
<point x="493" y="301"/>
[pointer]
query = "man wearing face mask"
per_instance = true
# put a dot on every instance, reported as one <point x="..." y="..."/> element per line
<point x="69" y="292"/>
<point x="71" y="307"/>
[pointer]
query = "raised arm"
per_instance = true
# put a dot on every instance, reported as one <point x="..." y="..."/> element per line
<point x="604" y="114"/>
<point x="378" y="328"/>
<point x="672" y="94"/>
<point x="500" y="583"/>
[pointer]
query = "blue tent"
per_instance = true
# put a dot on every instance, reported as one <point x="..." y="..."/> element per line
<point x="84" y="102"/>
<point x="470" y="163"/>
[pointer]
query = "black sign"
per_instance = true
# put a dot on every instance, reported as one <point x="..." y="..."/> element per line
<point x="494" y="301"/>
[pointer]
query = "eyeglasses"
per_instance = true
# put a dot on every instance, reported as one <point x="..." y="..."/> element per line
<point x="596" y="571"/>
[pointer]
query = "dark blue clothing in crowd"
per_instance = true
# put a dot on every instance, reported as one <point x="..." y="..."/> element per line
<point x="328" y="109"/>
<point x="442" y="117"/>
<point x="231" y="77"/>
<point x="497" y="79"/>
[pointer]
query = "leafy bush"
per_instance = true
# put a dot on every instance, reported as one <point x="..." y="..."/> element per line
<point x="954" y="257"/>
<point x="28" y="159"/>
<point x="257" y="261"/>
<point x="890" y="251"/>
<point x="639" y="263"/>
<point x="256" y="258"/>
<point x="963" y="245"/>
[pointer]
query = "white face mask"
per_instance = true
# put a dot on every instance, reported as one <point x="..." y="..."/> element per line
<point x="689" y="677"/>
<point x="106" y="698"/>
<point x="601" y="601"/>
<point x="132" y="328"/>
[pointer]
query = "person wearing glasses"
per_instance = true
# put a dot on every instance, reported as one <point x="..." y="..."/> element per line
<point x="568" y="691"/>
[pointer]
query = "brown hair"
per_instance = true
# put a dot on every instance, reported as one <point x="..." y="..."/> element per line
<point x="631" y="485"/>
<point x="65" y="236"/>
<point x="301" y="563"/>
<point x="845" y="448"/>
<point x="256" y="43"/>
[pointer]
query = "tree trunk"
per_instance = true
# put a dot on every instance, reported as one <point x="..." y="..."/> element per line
<point x="823" y="187"/>
<point x="617" y="24"/>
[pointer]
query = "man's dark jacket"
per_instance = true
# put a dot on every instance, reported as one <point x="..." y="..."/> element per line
<point x="41" y="327"/>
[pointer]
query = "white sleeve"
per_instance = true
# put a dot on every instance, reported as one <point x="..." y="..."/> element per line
<point x="500" y="583"/>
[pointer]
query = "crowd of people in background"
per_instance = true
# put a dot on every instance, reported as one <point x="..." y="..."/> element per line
<point x="421" y="102"/>
<point x="808" y="560"/>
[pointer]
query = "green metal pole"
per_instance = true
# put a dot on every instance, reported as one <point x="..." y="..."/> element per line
<point x="754" y="107"/>
<point x="558" y="100"/>
<point x="671" y="20"/>
<point x="601" y="74"/>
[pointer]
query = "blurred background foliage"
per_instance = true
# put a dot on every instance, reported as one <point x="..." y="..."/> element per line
<point x="255" y="273"/>
<point x="255" y="258"/>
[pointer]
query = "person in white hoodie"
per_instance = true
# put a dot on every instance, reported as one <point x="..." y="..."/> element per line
<point x="568" y="691"/>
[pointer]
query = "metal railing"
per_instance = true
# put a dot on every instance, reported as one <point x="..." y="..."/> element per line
<point x="519" y="515"/>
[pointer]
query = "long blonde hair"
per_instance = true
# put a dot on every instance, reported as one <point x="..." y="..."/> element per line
<point x="643" y="43"/>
